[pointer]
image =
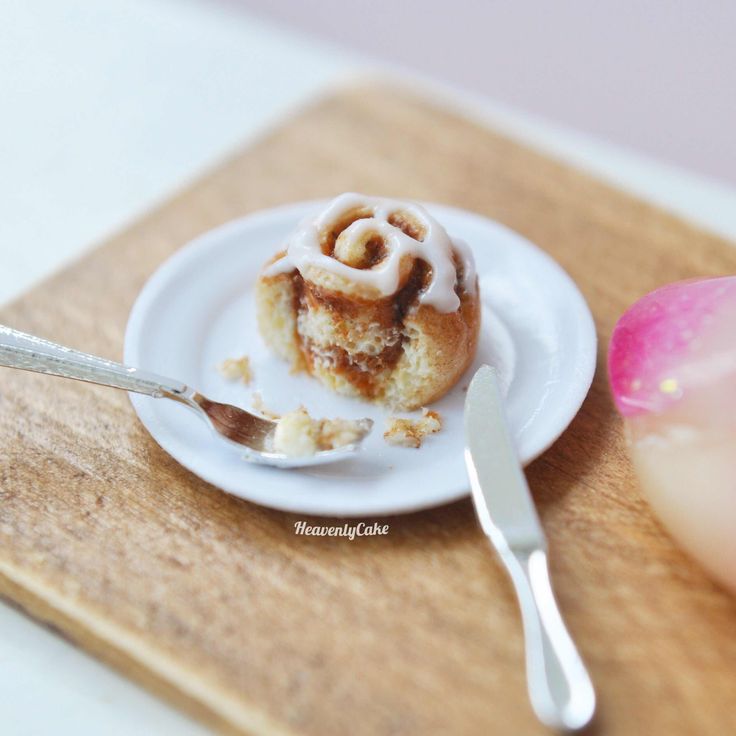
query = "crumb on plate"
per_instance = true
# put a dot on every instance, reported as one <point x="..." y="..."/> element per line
<point x="299" y="435"/>
<point x="411" y="432"/>
<point x="237" y="369"/>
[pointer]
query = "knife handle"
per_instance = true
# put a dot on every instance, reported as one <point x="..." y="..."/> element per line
<point x="560" y="688"/>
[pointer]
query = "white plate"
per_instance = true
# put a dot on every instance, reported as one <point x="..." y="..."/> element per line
<point x="198" y="309"/>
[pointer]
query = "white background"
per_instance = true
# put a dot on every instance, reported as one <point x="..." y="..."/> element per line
<point x="108" y="107"/>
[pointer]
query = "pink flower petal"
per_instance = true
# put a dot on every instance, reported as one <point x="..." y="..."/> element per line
<point x="670" y="341"/>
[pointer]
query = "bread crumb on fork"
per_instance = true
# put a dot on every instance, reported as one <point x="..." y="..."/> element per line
<point x="299" y="435"/>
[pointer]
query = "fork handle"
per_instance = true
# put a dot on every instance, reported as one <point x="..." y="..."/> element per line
<point x="30" y="353"/>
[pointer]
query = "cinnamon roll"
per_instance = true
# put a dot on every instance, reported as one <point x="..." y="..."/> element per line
<point x="373" y="298"/>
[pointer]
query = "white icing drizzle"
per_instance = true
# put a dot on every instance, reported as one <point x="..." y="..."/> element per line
<point x="436" y="248"/>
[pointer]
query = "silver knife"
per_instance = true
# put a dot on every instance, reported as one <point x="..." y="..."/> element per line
<point x="560" y="688"/>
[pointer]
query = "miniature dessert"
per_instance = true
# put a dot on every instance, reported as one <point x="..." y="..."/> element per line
<point x="411" y="432"/>
<point x="298" y="435"/>
<point x="672" y="366"/>
<point x="237" y="369"/>
<point x="373" y="298"/>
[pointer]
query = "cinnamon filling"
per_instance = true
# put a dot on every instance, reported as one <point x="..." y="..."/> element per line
<point x="408" y="295"/>
<point x="375" y="252"/>
<point x="364" y="371"/>
<point x="330" y="237"/>
<point x="408" y="225"/>
<point x="459" y="275"/>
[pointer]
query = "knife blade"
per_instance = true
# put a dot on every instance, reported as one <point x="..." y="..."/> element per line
<point x="500" y="492"/>
<point x="559" y="686"/>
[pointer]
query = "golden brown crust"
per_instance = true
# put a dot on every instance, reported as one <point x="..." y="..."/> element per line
<point x="451" y="341"/>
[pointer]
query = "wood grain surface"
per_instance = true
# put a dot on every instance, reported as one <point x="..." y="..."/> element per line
<point x="215" y="603"/>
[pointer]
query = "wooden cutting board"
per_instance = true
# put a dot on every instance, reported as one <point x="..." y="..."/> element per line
<point x="216" y="604"/>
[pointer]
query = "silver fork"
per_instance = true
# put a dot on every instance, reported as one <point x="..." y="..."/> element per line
<point x="249" y="433"/>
